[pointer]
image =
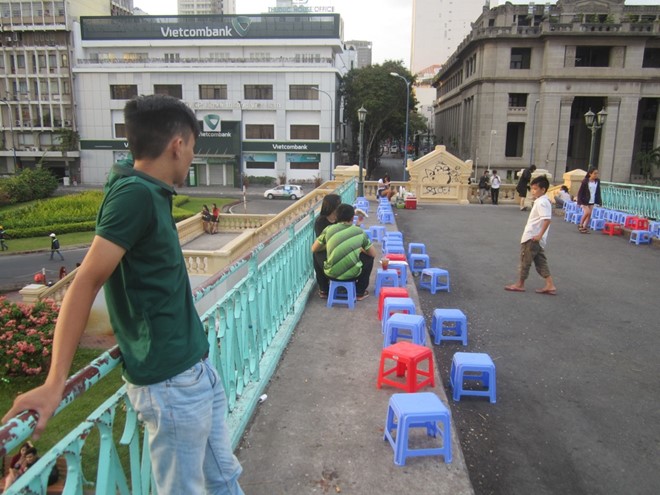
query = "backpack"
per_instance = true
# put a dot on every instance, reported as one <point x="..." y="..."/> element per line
<point x="56" y="244"/>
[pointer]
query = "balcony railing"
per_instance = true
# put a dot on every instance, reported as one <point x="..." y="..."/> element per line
<point x="252" y="309"/>
<point x="643" y="201"/>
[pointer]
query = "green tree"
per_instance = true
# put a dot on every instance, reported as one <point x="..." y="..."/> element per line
<point x="384" y="98"/>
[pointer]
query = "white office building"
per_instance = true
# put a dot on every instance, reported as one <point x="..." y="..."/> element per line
<point x="264" y="88"/>
<point x="206" y="7"/>
<point x="438" y="28"/>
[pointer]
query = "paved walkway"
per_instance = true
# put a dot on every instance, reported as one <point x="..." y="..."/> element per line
<point x="321" y="428"/>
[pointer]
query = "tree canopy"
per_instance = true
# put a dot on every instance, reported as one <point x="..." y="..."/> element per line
<point x="384" y="98"/>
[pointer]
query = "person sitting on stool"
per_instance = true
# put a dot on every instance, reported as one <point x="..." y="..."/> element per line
<point x="350" y="252"/>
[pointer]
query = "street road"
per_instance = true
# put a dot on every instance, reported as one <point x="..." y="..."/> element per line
<point x="577" y="373"/>
<point x="18" y="270"/>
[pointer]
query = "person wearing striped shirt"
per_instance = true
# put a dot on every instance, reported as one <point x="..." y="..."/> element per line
<point x="350" y="252"/>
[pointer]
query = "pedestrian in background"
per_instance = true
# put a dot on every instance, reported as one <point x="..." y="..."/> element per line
<point x="495" y="183"/>
<point x="523" y="185"/>
<point x="588" y="196"/>
<point x="55" y="247"/>
<point x="484" y="185"/>
<point x="3" y="236"/>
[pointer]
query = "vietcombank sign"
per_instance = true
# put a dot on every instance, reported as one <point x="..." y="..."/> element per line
<point x="209" y="27"/>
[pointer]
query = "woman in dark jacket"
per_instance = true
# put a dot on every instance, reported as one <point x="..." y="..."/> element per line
<point x="588" y="196"/>
<point x="523" y="184"/>
<point x="325" y="218"/>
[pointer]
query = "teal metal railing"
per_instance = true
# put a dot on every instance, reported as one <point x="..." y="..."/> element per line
<point x="255" y="305"/>
<point x="643" y="201"/>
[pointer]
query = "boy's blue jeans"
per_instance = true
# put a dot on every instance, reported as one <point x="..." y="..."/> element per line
<point x="188" y="437"/>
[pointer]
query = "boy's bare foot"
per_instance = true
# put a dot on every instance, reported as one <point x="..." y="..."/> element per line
<point x="549" y="292"/>
<point x="514" y="288"/>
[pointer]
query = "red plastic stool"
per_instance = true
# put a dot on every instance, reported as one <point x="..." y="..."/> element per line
<point x="636" y="223"/>
<point x="396" y="257"/>
<point x="612" y="228"/>
<point x="389" y="292"/>
<point x="407" y="357"/>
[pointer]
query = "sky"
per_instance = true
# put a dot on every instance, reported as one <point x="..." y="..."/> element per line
<point x="386" y="23"/>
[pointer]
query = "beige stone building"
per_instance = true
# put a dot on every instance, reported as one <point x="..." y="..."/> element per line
<point x="516" y="90"/>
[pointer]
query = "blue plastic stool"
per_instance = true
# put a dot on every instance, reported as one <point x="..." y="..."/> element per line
<point x="348" y="298"/>
<point x="394" y="234"/>
<point x="654" y="229"/>
<point x="403" y="326"/>
<point x="598" y="212"/>
<point x="455" y="316"/>
<point x="362" y="203"/>
<point x="576" y="217"/>
<point x="596" y="223"/>
<point x="472" y="366"/>
<point x="378" y="232"/>
<point x="386" y="217"/>
<point x="394" y="248"/>
<point x="434" y="279"/>
<point x="386" y="278"/>
<point x="416" y="247"/>
<point x="640" y="237"/>
<point x="391" y="241"/>
<point x="401" y="268"/>
<point x="417" y="410"/>
<point x="393" y="305"/>
<point x="419" y="262"/>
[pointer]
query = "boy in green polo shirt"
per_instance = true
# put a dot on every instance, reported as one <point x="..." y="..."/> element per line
<point x="137" y="255"/>
<point x="350" y="252"/>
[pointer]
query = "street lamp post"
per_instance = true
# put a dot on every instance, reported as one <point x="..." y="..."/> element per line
<point x="490" y="146"/>
<point x="362" y="116"/>
<point x="594" y="122"/>
<point x="332" y="129"/>
<point x="531" y="152"/>
<point x="405" y="144"/>
<point x="11" y="131"/>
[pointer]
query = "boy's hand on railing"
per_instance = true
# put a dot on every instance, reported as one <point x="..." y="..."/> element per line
<point x="42" y="400"/>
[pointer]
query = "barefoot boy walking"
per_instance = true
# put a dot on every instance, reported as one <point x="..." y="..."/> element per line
<point x="534" y="239"/>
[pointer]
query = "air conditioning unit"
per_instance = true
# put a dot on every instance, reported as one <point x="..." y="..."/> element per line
<point x="18" y="123"/>
<point x="8" y="39"/>
<point x="67" y="123"/>
<point x="34" y="148"/>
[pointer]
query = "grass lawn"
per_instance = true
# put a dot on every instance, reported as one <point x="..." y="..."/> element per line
<point x="192" y="206"/>
<point x="75" y="413"/>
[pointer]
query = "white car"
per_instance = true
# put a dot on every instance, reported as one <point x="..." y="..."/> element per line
<point x="286" y="191"/>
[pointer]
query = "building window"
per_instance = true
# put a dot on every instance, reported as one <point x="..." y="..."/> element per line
<point x="123" y="91"/>
<point x="520" y="58"/>
<point x="266" y="165"/>
<point x="120" y="130"/>
<point x="304" y="165"/>
<point x="651" y="58"/>
<point x="304" y="132"/>
<point x="172" y="57"/>
<point x="517" y="100"/>
<point x="592" y="56"/>
<point x="258" y="91"/>
<point x="128" y="57"/>
<point x="212" y="91"/>
<point x="303" y="92"/>
<point x="174" y="90"/>
<point x="515" y="137"/>
<point x="259" y="131"/>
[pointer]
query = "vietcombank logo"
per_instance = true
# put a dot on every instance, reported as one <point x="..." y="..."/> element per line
<point x="211" y="122"/>
<point x="239" y="28"/>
